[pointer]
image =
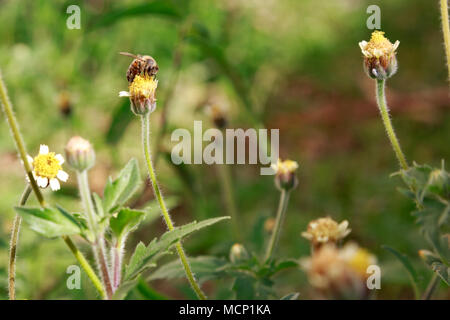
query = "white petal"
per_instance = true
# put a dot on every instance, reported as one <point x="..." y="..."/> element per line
<point x="62" y="175"/>
<point x="30" y="159"/>
<point x="54" y="184"/>
<point x="42" y="182"/>
<point x="43" y="149"/>
<point x="124" y="94"/>
<point x="396" y="44"/>
<point x="60" y="158"/>
<point x="363" y="45"/>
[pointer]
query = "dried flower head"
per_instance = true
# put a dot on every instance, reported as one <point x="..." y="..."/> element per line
<point x="285" y="174"/>
<point x="326" y="230"/>
<point x="47" y="168"/>
<point x="142" y="92"/>
<point x="80" y="154"/>
<point x="380" y="61"/>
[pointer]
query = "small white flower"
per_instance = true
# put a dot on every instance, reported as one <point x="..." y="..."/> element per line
<point x="47" y="168"/>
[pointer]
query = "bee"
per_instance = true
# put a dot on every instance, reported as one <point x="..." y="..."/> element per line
<point x="140" y="65"/>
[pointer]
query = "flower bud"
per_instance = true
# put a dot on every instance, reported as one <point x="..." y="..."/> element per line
<point x="380" y="61"/>
<point x="285" y="178"/>
<point x="238" y="253"/>
<point x="142" y="93"/>
<point x="80" y="154"/>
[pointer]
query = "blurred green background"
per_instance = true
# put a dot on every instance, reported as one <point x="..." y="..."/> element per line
<point x="291" y="64"/>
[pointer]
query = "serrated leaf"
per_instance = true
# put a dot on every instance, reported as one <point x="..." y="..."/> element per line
<point x="49" y="222"/>
<point x="118" y="191"/>
<point x="126" y="220"/>
<point x="141" y="259"/>
<point x="204" y="267"/>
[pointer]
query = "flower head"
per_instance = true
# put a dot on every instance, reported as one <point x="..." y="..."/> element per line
<point x="80" y="154"/>
<point x="359" y="259"/>
<point x="326" y="230"/>
<point x="379" y="56"/>
<point x="339" y="273"/>
<point x="47" y="168"/>
<point x="142" y="93"/>
<point x="285" y="174"/>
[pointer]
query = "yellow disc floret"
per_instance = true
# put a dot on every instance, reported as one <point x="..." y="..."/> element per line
<point x="143" y="87"/>
<point x="46" y="165"/>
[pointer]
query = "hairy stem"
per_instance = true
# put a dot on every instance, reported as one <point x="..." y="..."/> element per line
<point x="116" y="258"/>
<point x="13" y="245"/>
<point x="99" y="245"/>
<point x="446" y="31"/>
<point x="431" y="287"/>
<point x="282" y="206"/>
<point x="384" y="111"/>
<point x="146" y="148"/>
<point x="85" y="265"/>
<point x="20" y="146"/>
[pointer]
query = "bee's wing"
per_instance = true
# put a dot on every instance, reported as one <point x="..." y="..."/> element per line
<point x="128" y="54"/>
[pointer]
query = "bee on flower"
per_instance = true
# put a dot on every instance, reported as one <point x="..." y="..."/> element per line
<point x="285" y="177"/>
<point x="142" y="92"/>
<point x="379" y="53"/>
<point x="47" y="168"/>
<point x="325" y="230"/>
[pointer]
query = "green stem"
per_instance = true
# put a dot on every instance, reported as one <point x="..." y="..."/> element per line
<point x="282" y="206"/>
<point x="99" y="246"/>
<point x="85" y="265"/>
<point x="146" y="148"/>
<point x="13" y="245"/>
<point x="446" y="31"/>
<point x="20" y="145"/>
<point x="384" y="111"/>
<point x="230" y="205"/>
<point x="431" y="287"/>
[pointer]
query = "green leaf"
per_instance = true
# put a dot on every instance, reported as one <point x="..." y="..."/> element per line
<point x="291" y="296"/>
<point x="50" y="222"/>
<point x="204" y="267"/>
<point x="145" y="257"/>
<point x="125" y="221"/>
<point x="117" y="192"/>
<point x="414" y="278"/>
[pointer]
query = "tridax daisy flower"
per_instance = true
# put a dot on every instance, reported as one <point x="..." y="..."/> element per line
<point x="47" y="168"/>
<point x="339" y="273"/>
<point x="379" y="56"/>
<point x="326" y="230"/>
<point x="142" y="94"/>
<point x="285" y="174"/>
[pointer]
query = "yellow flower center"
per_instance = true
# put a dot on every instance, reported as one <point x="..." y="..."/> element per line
<point x="46" y="165"/>
<point x="379" y="45"/>
<point x="287" y="166"/>
<point x="143" y="87"/>
<point x="360" y="261"/>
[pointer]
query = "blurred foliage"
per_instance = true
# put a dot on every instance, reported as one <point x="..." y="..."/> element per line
<point x="293" y="65"/>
